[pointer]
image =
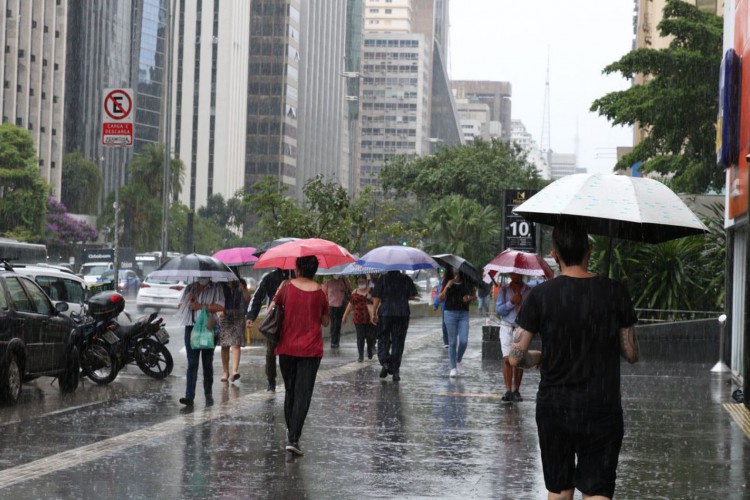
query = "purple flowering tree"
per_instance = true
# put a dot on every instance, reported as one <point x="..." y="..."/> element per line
<point x="62" y="229"/>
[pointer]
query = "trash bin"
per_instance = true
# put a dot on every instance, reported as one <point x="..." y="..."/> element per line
<point x="491" y="342"/>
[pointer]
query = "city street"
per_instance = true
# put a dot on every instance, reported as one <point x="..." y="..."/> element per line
<point x="426" y="436"/>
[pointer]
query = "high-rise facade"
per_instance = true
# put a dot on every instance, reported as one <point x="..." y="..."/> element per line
<point x="114" y="45"/>
<point x="33" y="69"/>
<point x="497" y="95"/>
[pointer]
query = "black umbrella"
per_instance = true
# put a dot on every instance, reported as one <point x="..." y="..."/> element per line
<point x="194" y="265"/>
<point x="270" y="244"/>
<point x="463" y="265"/>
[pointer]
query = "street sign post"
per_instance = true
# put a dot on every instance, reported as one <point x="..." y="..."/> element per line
<point x="117" y="119"/>
<point x="518" y="233"/>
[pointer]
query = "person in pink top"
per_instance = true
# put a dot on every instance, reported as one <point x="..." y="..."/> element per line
<point x="300" y="347"/>
<point x="338" y="291"/>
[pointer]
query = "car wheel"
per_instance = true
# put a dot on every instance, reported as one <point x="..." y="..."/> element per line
<point x="68" y="381"/>
<point x="10" y="379"/>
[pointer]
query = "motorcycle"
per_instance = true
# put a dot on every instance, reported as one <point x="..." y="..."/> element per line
<point x="144" y="343"/>
<point x="96" y="323"/>
<point x="107" y="346"/>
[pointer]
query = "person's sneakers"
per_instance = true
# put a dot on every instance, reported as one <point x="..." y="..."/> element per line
<point x="396" y="377"/>
<point x="209" y="400"/>
<point x="384" y="371"/>
<point x="453" y="373"/>
<point x="446" y="346"/>
<point x="369" y="354"/>
<point x="186" y="401"/>
<point x="360" y="359"/>
<point x="507" y="397"/>
<point x="294" y="448"/>
<point x="517" y="397"/>
<point x="459" y="368"/>
<point x="271" y="386"/>
<point x="334" y="346"/>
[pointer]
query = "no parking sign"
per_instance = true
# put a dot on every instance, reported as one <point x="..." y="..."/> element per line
<point x="117" y="123"/>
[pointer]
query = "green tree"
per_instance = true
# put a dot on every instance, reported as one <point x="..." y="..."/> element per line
<point x="463" y="227"/>
<point x="478" y="171"/>
<point x="141" y="199"/>
<point x="677" y="104"/>
<point x="23" y="192"/>
<point x="225" y="217"/>
<point x="81" y="184"/>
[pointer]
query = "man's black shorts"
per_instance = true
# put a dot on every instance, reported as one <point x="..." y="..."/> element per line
<point x="594" y="438"/>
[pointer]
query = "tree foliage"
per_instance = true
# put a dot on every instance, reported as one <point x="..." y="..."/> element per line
<point x="81" y="184"/>
<point x="677" y="104"/>
<point x="62" y="229"/>
<point x="141" y="198"/>
<point x="478" y="171"/>
<point x="23" y="192"/>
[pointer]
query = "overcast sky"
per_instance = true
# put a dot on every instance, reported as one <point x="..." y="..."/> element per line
<point x="508" y="40"/>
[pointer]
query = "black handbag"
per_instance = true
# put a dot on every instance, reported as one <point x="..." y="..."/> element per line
<point x="273" y="323"/>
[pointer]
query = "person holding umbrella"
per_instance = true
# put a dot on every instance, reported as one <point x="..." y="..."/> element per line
<point x="300" y="347"/>
<point x="510" y="298"/>
<point x="457" y="293"/>
<point x="585" y="323"/>
<point x="199" y="294"/>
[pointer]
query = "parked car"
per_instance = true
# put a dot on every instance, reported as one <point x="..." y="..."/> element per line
<point x="159" y="294"/>
<point x="127" y="284"/>
<point x="60" y="285"/>
<point x="35" y="338"/>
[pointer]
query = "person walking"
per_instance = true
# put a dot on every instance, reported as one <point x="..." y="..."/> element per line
<point x="510" y="298"/>
<point x="457" y="293"/>
<point x="390" y="299"/>
<point x="300" y="347"/>
<point x="586" y="322"/>
<point x="441" y="304"/>
<point x="199" y="294"/>
<point x="484" y="295"/>
<point x="232" y="328"/>
<point x="265" y="293"/>
<point x="337" y="290"/>
<point x="358" y="305"/>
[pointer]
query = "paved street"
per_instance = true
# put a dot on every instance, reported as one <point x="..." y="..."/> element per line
<point x="426" y="436"/>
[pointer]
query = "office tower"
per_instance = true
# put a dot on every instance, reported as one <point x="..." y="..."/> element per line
<point x="495" y="94"/>
<point x="33" y="69"/>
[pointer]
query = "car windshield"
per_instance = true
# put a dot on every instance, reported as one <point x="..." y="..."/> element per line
<point x="94" y="270"/>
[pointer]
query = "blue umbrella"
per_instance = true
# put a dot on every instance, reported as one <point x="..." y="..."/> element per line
<point x="350" y="269"/>
<point x="397" y="258"/>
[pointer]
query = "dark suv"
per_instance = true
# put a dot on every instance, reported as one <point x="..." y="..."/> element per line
<point x="35" y="339"/>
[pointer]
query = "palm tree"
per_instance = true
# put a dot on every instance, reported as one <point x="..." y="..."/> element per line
<point x="147" y="170"/>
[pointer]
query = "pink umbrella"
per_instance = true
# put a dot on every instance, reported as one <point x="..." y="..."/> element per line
<point x="284" y="256"/>
<point x="238" y="256"/>
<point x="513" y="261"/>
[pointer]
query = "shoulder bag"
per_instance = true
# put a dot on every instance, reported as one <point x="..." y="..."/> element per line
<point x="273" y="322"/>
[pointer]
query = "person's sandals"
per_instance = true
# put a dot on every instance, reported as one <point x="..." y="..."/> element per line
<point x="235" y="377"/>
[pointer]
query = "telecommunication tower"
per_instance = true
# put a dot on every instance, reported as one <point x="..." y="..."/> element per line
<point x="545" y="142"/>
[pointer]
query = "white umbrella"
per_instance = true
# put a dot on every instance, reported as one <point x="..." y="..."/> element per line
<point x="631" y="208"/>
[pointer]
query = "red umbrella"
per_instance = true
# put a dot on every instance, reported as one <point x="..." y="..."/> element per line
<point x="513" y="261"/>
<point x="238" y="256"/>
<point x="284" y="256"/>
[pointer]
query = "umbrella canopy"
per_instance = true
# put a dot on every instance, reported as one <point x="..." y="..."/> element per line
<point x="284" y="256"/>
<point x="350" y="269"/>
<point x="463" y="265"/>
<point x="513" y="261"/>
<point x="401" y="258"/>
<point x="271" y="244"/>
<point x="238" y="256"/>
<point x="631" y="208"/>
<point x="193" y="266"/>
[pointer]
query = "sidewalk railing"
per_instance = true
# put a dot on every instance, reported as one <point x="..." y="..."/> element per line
<point x="672" y="315"/>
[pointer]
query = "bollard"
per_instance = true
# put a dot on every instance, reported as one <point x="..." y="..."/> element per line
<point x="491" y="342"/>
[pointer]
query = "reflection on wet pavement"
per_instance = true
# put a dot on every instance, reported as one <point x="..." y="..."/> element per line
<point x="426" y="436"/>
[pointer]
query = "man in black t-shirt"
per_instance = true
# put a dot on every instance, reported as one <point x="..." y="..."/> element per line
<point x="585" y="323"/>
<point x="390" y="300"/>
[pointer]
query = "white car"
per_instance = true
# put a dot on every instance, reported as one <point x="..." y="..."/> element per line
<point x="159" y="294"/>
<point x="59" y="285"/>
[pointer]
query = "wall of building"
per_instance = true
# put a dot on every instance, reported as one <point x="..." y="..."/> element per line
<point x="497" y="95"/>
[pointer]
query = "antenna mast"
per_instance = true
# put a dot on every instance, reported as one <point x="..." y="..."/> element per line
<point x="545" y="144"/>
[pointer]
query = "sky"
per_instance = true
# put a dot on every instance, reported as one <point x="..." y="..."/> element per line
<point x="509" y="40"/>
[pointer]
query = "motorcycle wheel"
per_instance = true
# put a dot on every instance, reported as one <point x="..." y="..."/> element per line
<point x="98" y="363"/>
<point x="153" y="358"/>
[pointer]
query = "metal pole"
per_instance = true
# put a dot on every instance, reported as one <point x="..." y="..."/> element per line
<point x="116" y="270"/>
<point x="720" y="366"/>
<point x="167" y="133"/>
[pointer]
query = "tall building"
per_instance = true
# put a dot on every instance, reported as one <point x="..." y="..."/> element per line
<point x="210" y="95"/>
<point x="495" y="94"/>
<point x="519" y="135"/>
<point x="114" y="45"/>
<point x="352" y="67"/>
<point x="562" y="164"/>
<point x="322" y="133"/>
<point x="33" y="69"/>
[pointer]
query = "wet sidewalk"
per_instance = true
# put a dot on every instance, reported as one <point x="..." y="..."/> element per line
<point x="425" y="436"/>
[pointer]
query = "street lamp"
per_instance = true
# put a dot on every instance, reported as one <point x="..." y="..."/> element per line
<point x="720" y="366"/>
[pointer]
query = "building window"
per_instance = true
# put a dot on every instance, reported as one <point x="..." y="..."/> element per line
<point x="57" y="34"/>
<point x="389" y="11"/>
<point x="7" y="49"/>
<point x="54" y="131"/>
<point x="44" y="96"/>
<point x="33" y="58"/>
<point x="44" y="62"/>
<point x="52" y="164"/>
<point x="19" y="121"/>
<point x="19" y="88"/>
<point x="46" y="28"/>
<point x="56" y="66"/>
<point x="54" y="99"/>
<point x="41" y="162"/>
<point x="31" y="126"/>
<point x="42" y="129"/>
<point x="6" y="84"/>
<point x="33" y="24"/>
<point x="21" y="52"/>
<point x="31" y="91"/>
<point x="8" y="13"/>
<point x="374" y="11"/>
